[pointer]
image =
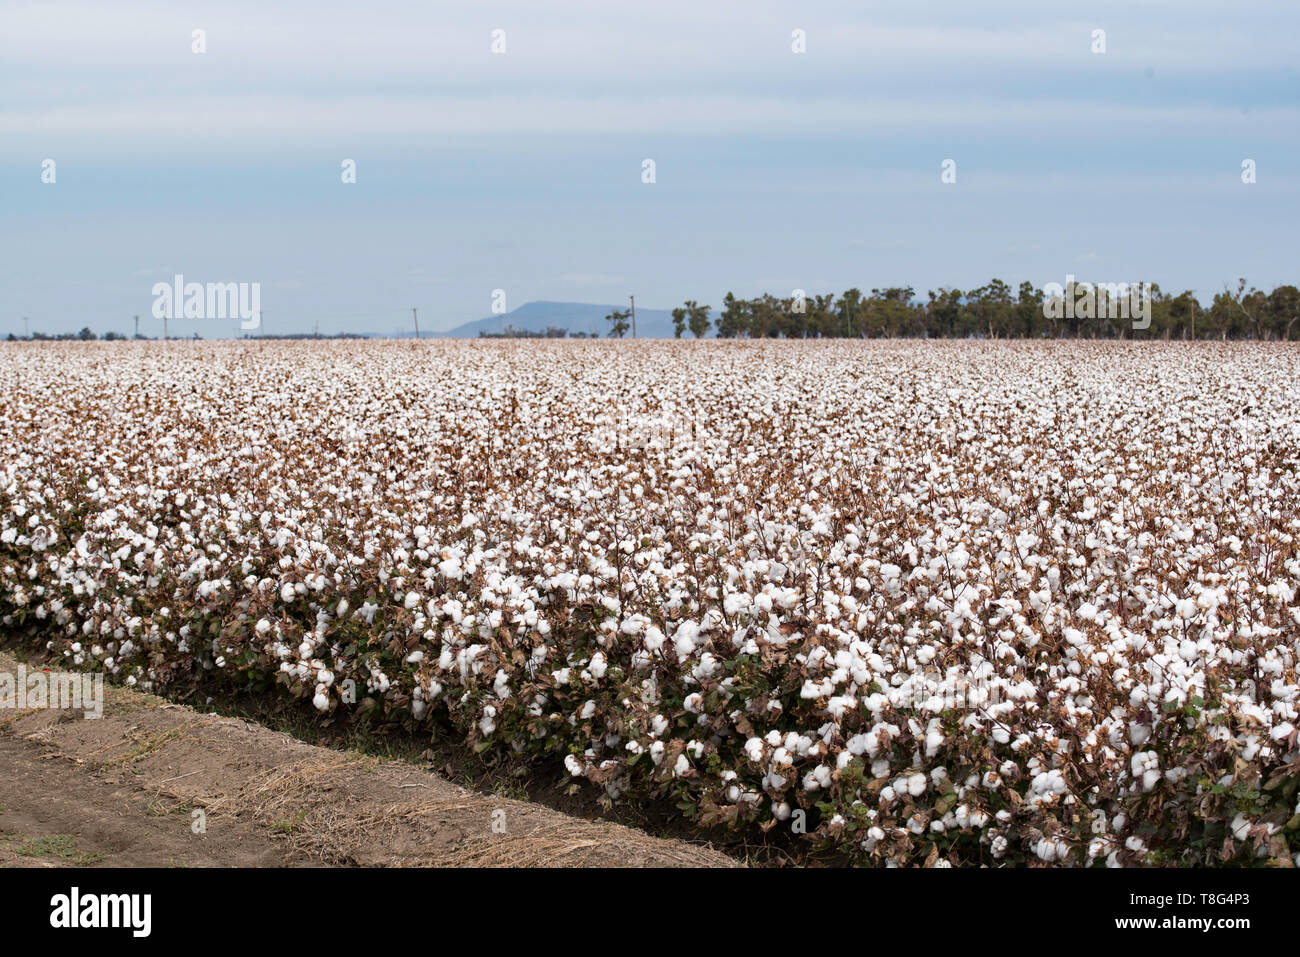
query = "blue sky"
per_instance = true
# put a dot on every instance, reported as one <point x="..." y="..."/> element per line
<point x="522" y="171"/>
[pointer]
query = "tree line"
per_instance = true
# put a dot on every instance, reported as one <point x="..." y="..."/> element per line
<point x="991" y="311"/>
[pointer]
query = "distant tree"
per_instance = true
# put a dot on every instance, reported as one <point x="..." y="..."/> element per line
<point x="1029" y="320"/>
<point x="733" y="321"/>
<point x="765" y="317"/>
<point x="1284" y="309"/>
<point x="889" y="311"/>
<point x="679" y="322"/>
<point x="991" y="305"/>
<point x="849" y="314"/>
<point x="619" y="324"/>
<point x="85" y="335"/>
<point x="697" y="318"/>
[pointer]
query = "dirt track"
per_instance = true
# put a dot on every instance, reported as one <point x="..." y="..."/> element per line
<point x="131" y="788"/>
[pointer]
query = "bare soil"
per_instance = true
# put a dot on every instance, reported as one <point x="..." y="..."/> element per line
<point x="153" y="783"/>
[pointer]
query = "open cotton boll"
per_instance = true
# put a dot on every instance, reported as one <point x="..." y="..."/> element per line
<point x="684" y="638"/>
<point x="818" y="778"/>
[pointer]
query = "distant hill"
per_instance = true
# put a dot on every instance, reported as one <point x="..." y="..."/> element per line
<point x="573" y="316"/>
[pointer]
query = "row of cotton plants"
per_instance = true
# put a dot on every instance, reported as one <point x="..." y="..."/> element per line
<point x="945" y="603"/>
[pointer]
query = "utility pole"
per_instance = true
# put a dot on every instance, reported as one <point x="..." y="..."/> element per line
<point x="137" y="327"/>
<point x="317" y="328"/>
<point x="26" y="334"/>
<point x="164" y="327"/>
<point x="416" y="314"/>
<point x="633" y="316"/>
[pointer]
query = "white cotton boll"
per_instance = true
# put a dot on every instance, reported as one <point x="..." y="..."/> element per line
<point x="321" y="701"/>
<point x="598" y="666"/>
<point x="734" y="604"/>
<point x="412" y="599"/>
<point x="818" y="778"/>
<point x="573" y="765"/>
<point x="325" y="677"/>
<point x="684" y="638"/>
<point x="342" y="608"/>
<point x="263" y="626"/>
<point x="916" y="785"/>
<point x="654" y="639"/>
<point x="1240" y="827"/>
<point x="288" y="593"/>
<point x="1186" y="608"/>
<point x="933" y="741"/>
<point x="707" y="666"/>
<point x="682" y="766"/>
<point x="763" y="602"/>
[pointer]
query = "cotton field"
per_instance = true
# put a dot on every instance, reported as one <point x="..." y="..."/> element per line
<point x="911" y="602"/>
